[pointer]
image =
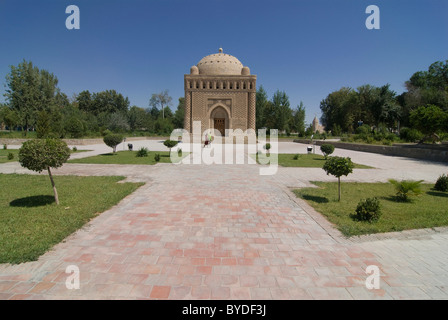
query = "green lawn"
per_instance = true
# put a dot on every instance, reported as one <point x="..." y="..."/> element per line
<point x="31" y="223"/>
<point x="425" y="211"/>
<point x="304" y="160"/>
<point x="127" y="157"/>
<point x="4" y="155"/>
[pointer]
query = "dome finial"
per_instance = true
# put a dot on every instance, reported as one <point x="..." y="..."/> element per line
<point x="220" y="50"/>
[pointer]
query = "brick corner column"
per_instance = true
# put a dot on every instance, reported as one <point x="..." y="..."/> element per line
<point x="187" y="117"/>
<point x="251" y="112"/>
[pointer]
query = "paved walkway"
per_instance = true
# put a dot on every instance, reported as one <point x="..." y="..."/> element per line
<point x="226" y="232"/>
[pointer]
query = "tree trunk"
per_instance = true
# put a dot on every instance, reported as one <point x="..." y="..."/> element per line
<point x="339" y="188"/>
<point x="56" y="198"/>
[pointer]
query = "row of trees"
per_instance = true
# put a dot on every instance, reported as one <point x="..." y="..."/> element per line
<point x="423" y="106"/>
<point x="278" y="114"/>
<point x="35" y="103"/>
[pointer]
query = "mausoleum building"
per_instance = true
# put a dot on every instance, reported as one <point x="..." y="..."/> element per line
<point x="220" y="93"/>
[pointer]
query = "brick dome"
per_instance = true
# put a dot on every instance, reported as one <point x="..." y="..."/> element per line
<point x="220" y="64"/>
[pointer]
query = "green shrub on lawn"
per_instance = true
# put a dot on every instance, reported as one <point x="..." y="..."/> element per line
<point x="406" y="188"/>
<point x="368" y="210"/>
<point x="442" y="183"/>
<point x="142" y="152"/>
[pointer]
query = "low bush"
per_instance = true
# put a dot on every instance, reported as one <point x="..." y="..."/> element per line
<point x="142" y="152"/>
<point x="368" y="210"/>
<point x="157" y="157"/>
<point x="5" y="147"/>
<point x="74" y="149"/>
<point x="442" y="183"/>
<point x="363" y="130"/>
<point x="406" y="188"/>
<point x="410" y="135"/>
<point x="296" y="157"/>
<point x="10" y="156"/>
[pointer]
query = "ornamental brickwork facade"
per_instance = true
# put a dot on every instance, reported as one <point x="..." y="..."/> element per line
<point x="220" y="93"/>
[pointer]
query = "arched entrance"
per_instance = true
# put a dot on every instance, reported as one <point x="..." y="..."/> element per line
<point x="219" y="120"/>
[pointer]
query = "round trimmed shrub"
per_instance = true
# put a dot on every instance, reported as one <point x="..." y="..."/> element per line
<point x="338" y="166"/>
<point x="10" y="156"/>
<point x="267" y="147"/>
<point x="113" y="140"/>
<point x="368" y="210"/>
<point x="170" y="144"/>
<point x="442" y="183"/>
<point x="43" y="154"/>
<point x="327" y="149"/>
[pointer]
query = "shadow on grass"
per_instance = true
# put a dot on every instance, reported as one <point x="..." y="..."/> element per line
<point x="108" y="154"/>
<point x="397" y="199"/>
<point x="437" y="194"/>
<point x="33" y="201"/>
<point x="316" y="199"/>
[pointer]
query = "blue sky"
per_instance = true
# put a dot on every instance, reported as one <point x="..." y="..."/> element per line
<point x="308" y="48"/>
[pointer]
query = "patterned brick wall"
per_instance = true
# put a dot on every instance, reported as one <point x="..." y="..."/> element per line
<point x="235" y="93"/>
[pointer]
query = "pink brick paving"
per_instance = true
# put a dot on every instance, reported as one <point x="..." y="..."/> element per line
<point x="204" y="232"/>
<point x="197" y="232"/>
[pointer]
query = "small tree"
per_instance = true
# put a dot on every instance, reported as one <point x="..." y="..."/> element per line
<point x="38" y="155"/>
<point x="338" y="166"/>
<point x="170" y="144"/>
<point x="113" y="140"/>
<point x="267" y="147"/>
<point x="327" y="149"/>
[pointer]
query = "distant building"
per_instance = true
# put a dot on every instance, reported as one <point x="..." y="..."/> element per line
<point x="317" y="126"/>
<point x="220" y="92"/>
